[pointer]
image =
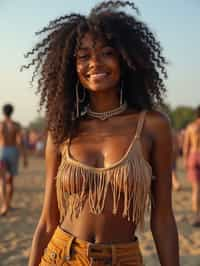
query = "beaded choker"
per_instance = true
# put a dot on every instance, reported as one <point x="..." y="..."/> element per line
<point x="107" y="114"/>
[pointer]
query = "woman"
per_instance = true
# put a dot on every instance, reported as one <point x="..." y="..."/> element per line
<point x="101" y="77"/>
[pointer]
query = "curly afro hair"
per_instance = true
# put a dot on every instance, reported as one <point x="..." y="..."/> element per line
<point x="8" y="109"/>
<point x="53" y="58"/>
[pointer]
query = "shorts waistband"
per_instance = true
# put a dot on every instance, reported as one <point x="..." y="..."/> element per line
<point x="67" y="236"/>
<point x="95" y="251"/>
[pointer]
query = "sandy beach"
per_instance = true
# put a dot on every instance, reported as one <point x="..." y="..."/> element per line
<point x="16" y="229"/>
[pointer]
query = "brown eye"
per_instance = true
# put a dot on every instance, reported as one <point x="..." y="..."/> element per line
<point x="83" y="57"/>
<point x="107" y="52"/>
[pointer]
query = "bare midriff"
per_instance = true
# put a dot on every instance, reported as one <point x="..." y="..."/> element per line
<point x="7" y="143"/>
<point x="103" y="228"/>
<point x="195" y="138"/>
<point x="195" y="144"/>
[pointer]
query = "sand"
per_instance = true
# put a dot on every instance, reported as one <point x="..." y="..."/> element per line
<point x="16" y="229"/>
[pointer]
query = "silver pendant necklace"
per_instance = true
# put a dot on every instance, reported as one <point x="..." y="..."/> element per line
<point x="105" y="115"/>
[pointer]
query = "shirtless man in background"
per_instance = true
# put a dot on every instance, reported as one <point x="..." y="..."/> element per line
<point x="191" y="152"/>
<point x="10" y="146"/>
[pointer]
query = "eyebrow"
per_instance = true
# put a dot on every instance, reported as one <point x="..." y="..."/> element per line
<point x="83" y="48"/>
<point x="88" y="48"/>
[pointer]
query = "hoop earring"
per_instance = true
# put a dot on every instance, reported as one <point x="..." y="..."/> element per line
<point x="121" y="93"/>
<point x="77" y="101"/>
<point x="81" y="100"/>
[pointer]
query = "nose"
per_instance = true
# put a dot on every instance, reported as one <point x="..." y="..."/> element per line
<point x="95" y="59"/>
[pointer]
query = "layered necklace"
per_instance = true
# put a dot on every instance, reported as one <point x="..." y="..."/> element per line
<point x="105" y="115"/>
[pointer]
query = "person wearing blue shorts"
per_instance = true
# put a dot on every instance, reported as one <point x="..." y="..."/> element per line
<point x="10" y="144"/>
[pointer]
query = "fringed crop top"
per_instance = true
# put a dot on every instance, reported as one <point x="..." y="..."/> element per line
<point x="128" y="178"/>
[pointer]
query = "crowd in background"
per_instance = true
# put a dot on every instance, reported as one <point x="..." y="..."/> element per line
<point x="34" y="141"/>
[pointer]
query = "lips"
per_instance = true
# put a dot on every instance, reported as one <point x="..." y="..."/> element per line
<point x="97" y="75"/>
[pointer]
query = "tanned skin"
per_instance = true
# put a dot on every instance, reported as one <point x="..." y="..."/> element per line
<point x="101" y="144"/>
<point x="10" y="136"/>
<point x="192" y="145"/>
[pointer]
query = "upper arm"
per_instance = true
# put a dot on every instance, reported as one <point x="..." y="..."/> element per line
<point x="50" y="212"/>
<point x="161" y="160"/>
<point x="18" y="133"/>
<point x="186" y="142"/>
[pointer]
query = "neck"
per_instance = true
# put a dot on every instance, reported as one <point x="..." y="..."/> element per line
<point x="104" y="101"/>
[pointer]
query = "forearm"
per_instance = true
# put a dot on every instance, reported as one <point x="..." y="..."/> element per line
<point x="40" y="241"/>
<point x="166" y="240"/>
<point x="185" y="159"/>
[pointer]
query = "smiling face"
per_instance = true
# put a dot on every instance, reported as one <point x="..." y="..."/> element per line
<point x="97" y="64"/>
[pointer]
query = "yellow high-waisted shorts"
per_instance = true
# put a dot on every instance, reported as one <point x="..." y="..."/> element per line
<point x="65" y="249"/>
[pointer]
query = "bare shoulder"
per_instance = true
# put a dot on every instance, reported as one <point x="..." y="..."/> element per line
<point x="158" y="122"/>
<point x="191" y="128"/>
<point x="51" y="147"/>
<point x="17" y="125"/>
<point x="50" y="141"/>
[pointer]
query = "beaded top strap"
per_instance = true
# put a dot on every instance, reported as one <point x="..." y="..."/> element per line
<point x="140" y="124"/>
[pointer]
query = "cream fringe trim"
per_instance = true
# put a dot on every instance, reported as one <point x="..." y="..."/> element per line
<point x="130" y="181"/>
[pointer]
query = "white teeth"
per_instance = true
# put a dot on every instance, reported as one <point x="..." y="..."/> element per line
<point x="99" y="75"/>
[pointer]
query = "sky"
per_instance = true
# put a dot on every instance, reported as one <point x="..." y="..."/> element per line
<point x="175" y="22"/>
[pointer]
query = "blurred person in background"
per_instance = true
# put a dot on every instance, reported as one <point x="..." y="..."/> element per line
<point x="11" y="145"/>
<point x="175" y="181"/>
<point x="180" y="139"/>
<point x="40" y="145"/>
<point x="191" y="153"/>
